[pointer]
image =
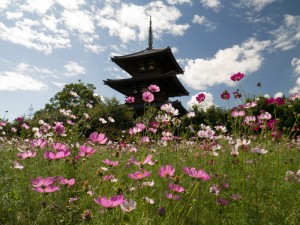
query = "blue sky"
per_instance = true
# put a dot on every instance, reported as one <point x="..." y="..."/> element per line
<point x="46" y="44"/>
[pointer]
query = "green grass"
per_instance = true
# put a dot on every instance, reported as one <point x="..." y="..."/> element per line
<point x="265" y="196"/>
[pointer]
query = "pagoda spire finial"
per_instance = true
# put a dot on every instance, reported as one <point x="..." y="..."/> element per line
<point x="150" y="38"/>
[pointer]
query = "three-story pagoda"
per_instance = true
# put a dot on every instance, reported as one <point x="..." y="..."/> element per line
<point x="150" y="66"/>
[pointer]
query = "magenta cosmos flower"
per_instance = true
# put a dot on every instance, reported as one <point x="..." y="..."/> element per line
<point x="86" y="151"/>
<point x="148" y="160"/>
<point x="44" y="185"/>
<point x="198" y="174"/>
<point x="148" y="96"/>
<point x="59" y="128"/>
<point x="98" y="138"/>
<point x="154" y="88"/>
<point x="176" y="188"/>
<point x="225" y="95"/>
<point x="39" y="143"/>
<point x="57" y="155"/>
<point x="26" y="154"/>
<point x="59" y="146"/>
<point x="171" y="196"/>
<point x="65" y="181"/>
<point x="130" y="99"/>
<point x="139" y="175"/>
<point x="237" y="77"/>
<point x="166" y="171"/>
<point x="200" y="97"/>
<point x="110" y="203"/>
<point x="110" y="163"/>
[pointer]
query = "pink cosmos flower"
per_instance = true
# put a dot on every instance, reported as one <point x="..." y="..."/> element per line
<point x="249" y="120"/>
<point x="236" y="113"/>
<point x="59" y="128"/>
<point x="200" y="97"/>
<point x="139" y="175"/>
<point x="225" y="95"/>
<point x="98" y="138"/>
<point x="264" y="116"/>
<point x="59" y="146"/>
<point x="39" y="143"/>
<point x="148" y="96"/>
<point x="110" y="203"/>
<point x="26" y="154"/>
<point x="44" y="185"/>
<point x="110" y="163"/>
<point x="25" y="126"/>
<point x="294" y="96"/>
<point x="148" y="160"/>
<point x="222" y="201"/>
<point x="171" y="196"/>
<point x="56" y="155"/>
<point x="250" y="105"/>
<point x="237" y="77"/>
<point x="199" y="174"/>
<point x="65" y="181"/>
<point x="145" y="139"/>
<point x="154" y="88"/>
<point x="176" y="188"/>
<point x="86" y="151"/>
<point x="166" y="171"/>
<point x="109" y="177"/>
<point x="130" y="99"/>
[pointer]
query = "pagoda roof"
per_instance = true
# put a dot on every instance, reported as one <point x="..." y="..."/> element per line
<point x="168" y="83"/>
<point x="148" y="53"/>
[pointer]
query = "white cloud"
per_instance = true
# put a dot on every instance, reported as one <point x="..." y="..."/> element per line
<point x="14" y="81"/>
<point x="213" y="4"/>
<point x="278" y="94"/>
<point x="174" y="50"/>
<point x="203" y="105"/>
<point x="296" y="65"/>
<point x="288" y="34"/>
<point x="203" y="73"/>
<point x="258" y="5"/>
<point x="74" y="4"/>
<point x="13" y="15"/>
<point x="4" y="4"/>
<point x="30" y="34"/>
<point x="128" y="21"/>
<point x="78" y="20"/>
<point x="296" y="88"/>
<point x="296" y="69"/>
<point x="205" y="22"/>
<point x="58" y="84"/>
<point x="73" y="69"/>
<point x="174" y="2"/>
<point x="37" y="6"/>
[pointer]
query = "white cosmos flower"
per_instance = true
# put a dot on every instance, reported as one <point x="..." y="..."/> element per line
<point x="149" y="200"/>
<point x="260" y="151"/>
<point x="128" y="205"/>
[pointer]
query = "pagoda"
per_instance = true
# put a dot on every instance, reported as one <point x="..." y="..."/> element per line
<point x="150" y="66"/>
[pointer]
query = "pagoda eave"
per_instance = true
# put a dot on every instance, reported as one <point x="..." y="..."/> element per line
<point x="126" y="60"/>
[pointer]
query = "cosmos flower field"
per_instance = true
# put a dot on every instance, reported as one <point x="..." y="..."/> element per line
<point x="154" y="173"/>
